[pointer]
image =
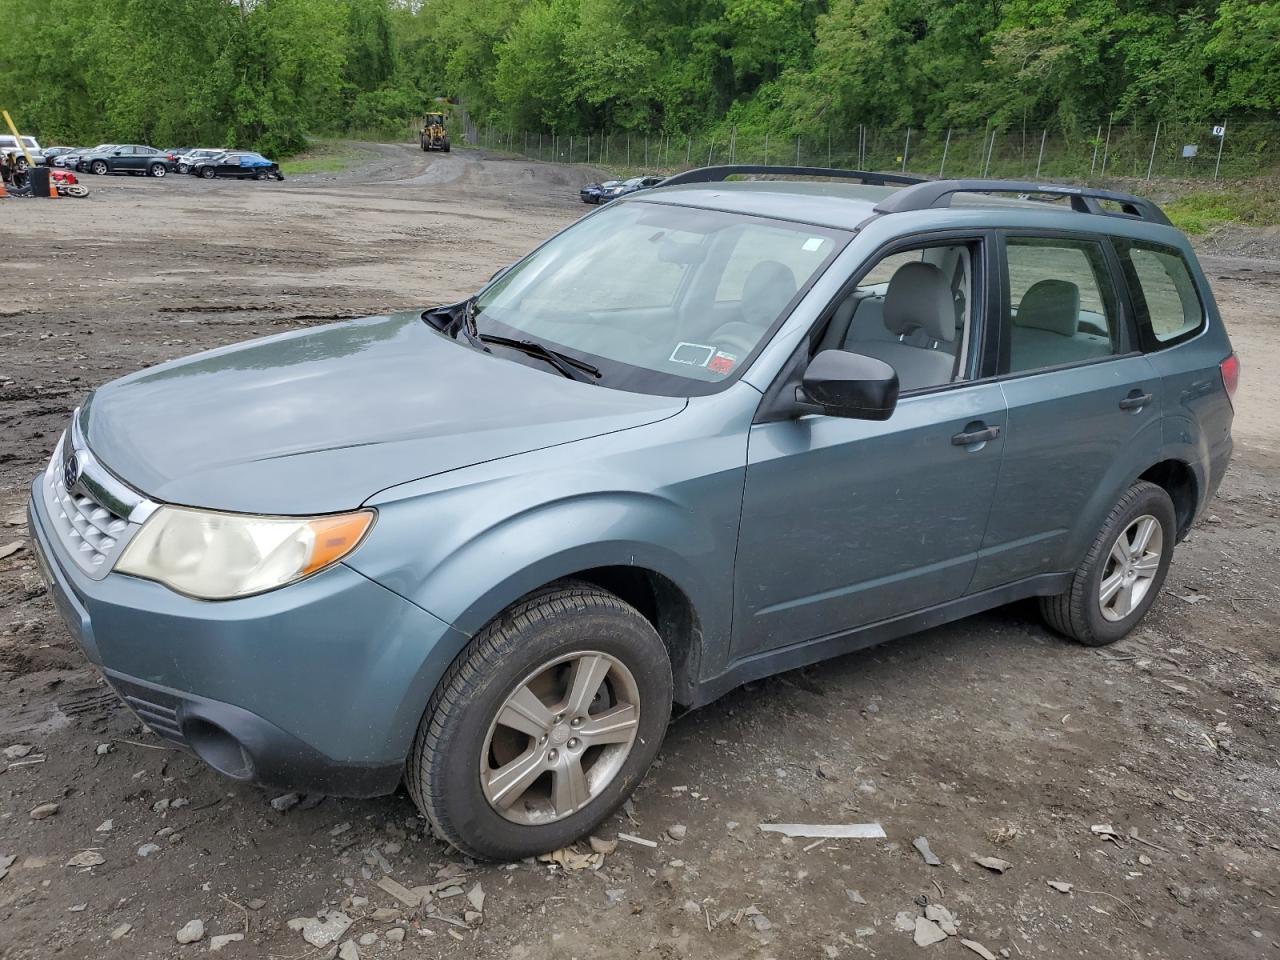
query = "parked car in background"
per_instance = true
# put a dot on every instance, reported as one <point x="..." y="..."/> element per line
<point x="75" y="159"/>
<point x="701" y="436"/>
<point x="53" y="155"/>
<point x="622" y="188"/>
<point x="127" y="158"/>
<point x="591" y="192"/>
<point x="190" y="158"/>
<point x="240" y="164"/>
<point x="9" y="145"/>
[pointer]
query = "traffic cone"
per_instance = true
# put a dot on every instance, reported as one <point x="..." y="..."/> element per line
<point x="53" y="188"/>
<point x="3" y="192"/>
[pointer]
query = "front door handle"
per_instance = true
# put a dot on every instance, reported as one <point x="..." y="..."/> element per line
<point x="975" y="436"/>
<point x="1135" y="401"/>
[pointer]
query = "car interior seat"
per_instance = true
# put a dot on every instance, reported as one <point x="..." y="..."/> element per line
<point x="768" y="288"/>
<point x="1045" y="329"/>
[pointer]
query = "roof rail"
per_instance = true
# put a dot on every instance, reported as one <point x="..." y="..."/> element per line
<point x="724" y="172"/>
<point x="938" y="193"/>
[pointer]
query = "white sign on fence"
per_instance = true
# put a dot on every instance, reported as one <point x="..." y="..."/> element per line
<point x="1219" y="131"/>
<point x="1190" y="150"/>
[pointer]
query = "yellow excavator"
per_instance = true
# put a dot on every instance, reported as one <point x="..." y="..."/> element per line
<point x="434" y="136"/>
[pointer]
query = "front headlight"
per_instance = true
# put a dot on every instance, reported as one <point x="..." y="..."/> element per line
<point x="217" y="556"/>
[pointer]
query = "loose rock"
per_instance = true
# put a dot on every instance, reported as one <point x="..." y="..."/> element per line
<point x="86" y="858"/>
<point x="603" y="847"/>
<point x="395" y="934"/>
<point x="348" y="951"/>
<point x="927" y="932"/>
<point x="122" y="931"/>
<point x="321" y="933"/>
<point x="44" y="810"/>
<point x="992" y="863"/>
<point x="147" y="849"/>
<point x="677" y="831"/>
<point x="1060" y="885"/>
<point x="475" y="896"/>
<point x="979" y="949"/>
<point x="220" y="941"/>
<point x="922" y="844"/>
<point x="9" y="549"/>
<point x="192" y="932"/>
<point x="18" y="751"/>
<point x="105" y="826"/>
<point x="285" y="802"/>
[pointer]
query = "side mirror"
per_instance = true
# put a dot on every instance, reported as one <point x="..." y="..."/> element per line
<point x="847" y="384"/>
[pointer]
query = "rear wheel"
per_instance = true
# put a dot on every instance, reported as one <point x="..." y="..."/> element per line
<point x="158" y="170"/>
<point x="1121" y="576"/>
<point x="208" y="173"/>
<point x="543" y="725"/>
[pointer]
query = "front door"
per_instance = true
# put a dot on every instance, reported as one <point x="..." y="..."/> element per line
<point x="849" y="522"/>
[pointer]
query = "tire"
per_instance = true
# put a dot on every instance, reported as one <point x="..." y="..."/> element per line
<point x="549" y="636"/>
<point x="183" y="168"/>
<point x="208" y="173"/>
<point x="1080" y="612"/>
<point x="445" y="147"/>
<point x="158" y="170"/>
<point x="260" y="175"/>
<point x="76" y="190"/>
<point x="99" y="168"/>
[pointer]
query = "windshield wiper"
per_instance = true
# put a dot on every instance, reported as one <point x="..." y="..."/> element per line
<point x="571" y="367"/>
<point x="456" y="318"/>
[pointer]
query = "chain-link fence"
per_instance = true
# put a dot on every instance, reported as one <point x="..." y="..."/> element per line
<point x="1210" y="150"/>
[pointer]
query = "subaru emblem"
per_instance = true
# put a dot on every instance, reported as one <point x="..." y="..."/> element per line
<point x="71" y="471"/>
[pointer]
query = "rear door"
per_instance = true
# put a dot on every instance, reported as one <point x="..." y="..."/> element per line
<point x="1083" y="401"/>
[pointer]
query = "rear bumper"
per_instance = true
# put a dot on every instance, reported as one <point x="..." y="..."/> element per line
<point x="318" y="686"/>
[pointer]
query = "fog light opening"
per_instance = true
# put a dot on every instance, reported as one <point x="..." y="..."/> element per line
<point x="218" y="749"/>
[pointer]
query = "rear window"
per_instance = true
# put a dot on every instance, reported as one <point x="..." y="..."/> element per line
<point x="1163" y="290"/>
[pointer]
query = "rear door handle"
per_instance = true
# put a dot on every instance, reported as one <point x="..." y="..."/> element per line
<point x="1135" y="401"/>
<point x="975" y="436"/>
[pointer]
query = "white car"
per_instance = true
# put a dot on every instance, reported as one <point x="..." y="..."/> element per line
<point x="9" y="145"/>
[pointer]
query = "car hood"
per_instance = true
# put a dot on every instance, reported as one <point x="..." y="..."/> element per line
<point x="319" y="420"/>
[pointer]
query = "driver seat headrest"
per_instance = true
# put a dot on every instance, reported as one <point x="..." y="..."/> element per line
<point x="919" y="297"/>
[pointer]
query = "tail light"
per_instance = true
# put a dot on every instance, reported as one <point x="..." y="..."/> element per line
<point x="1230" y="368"/>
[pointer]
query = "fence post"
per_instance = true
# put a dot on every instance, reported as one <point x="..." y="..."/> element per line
<point x="1106" y="146"/>
<point x="628" y="148"/>
<point x="986" y="167"/>
<point x="945" y="147"/>
<point x="1154" y="140"/>
<point x="1221" y="140"/>
<point x="1097" y="139"/>
<point x="1040" y="159"/>
<point x="733" y="143"/>
<point x="711" y="149"/>
<point x="906" y="148"/>
<point x="797" y="149"/>
<point x="828" y="144"/>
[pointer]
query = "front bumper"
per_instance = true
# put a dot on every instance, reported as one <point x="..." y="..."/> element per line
<point x="318" y="686"/>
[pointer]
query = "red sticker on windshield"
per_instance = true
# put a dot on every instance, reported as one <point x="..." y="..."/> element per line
<point x="722" y="362"/>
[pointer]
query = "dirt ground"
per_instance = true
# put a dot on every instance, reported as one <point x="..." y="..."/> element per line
<point x="990" y="737"/>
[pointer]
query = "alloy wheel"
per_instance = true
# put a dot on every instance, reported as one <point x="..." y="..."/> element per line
<point x="1131" y="567"/>
<point x="560" y="738"/>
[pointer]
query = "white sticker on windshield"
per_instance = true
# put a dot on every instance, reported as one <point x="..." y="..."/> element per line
<point x="812" y="244"/>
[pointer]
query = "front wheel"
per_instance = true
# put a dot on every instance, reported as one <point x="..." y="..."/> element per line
<point x="543" y="725"/>
<point x="98" y="167"/>
<point x="1121" y="576"/>
<point x="208" y="173"/>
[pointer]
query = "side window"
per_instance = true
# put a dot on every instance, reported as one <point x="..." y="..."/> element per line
<point x="1062" y="308"/>
<point x="912" y="310"/>
<point x="1164" y="294"/>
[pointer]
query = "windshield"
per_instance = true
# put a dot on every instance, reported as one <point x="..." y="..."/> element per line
<point x="663" y="299"/>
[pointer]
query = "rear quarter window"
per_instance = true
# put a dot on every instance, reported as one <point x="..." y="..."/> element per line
<point x="1164" y="294"/>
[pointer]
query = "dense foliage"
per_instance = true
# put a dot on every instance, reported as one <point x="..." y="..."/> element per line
<point x="266" y="72"/>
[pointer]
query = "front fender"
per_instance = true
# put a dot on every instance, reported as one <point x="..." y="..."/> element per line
<point x="464" y="546"/>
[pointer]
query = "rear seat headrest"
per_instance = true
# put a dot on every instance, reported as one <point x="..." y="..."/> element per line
<point x="1052" y="305"/>
<point x="919" y="296"/>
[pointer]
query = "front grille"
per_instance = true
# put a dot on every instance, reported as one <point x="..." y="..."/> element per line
<point x="94" y="517"/>
<point x="91" y="533"/>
